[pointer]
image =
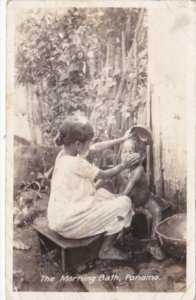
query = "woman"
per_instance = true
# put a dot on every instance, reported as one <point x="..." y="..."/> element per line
<point x="76" y="209"/>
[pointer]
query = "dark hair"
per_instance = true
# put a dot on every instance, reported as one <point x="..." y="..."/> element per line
<point x="71" y="132"/>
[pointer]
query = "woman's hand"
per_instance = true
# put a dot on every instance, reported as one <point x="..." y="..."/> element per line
<point x="133" y="159"/>
<point x="127" y="135"/>
<point x="104" y="174"/>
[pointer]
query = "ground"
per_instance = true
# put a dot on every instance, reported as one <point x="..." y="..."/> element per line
<point x="29" y="266"/>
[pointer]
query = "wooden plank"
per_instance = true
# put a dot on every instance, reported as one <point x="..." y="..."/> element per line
<point x="41" y="225"/>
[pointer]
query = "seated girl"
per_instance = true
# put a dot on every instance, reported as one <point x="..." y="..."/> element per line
<point x="133" y="183"/>
<point x="76" y="209"/>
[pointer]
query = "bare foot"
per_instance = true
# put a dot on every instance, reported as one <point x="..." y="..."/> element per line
<point x="155" y="250"/>
<point x="120" y="236"/>
<point x="112" y="254"/>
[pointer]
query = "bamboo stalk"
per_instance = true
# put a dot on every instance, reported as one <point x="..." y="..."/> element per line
<point x="118" y="119"/>
<point x="137" y="30"/>
<point x="123" y="51"/>
<point x="108" y="58"/>
<point x="128" y="33"/>
<point x="30" y="114"/>
<point x="99" y="63"/>
<point x="143" y="39"/>
<point x="41" y="112"/>
<point x="111" y="54"/>
<point x="129" y="58"/>
<point x="134" y="90"/>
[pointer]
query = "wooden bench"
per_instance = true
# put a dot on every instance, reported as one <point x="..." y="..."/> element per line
<point x="74" y="252"/>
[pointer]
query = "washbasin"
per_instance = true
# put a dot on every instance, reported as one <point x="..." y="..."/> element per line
<point x="171" y="233"/>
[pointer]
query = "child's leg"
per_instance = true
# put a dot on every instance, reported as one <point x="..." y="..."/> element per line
<point x="155" y="211"/>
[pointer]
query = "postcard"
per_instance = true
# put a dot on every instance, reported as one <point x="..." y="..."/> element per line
<point x="100" y="149"/>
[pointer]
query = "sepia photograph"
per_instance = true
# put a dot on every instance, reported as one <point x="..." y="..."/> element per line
<point x="98" y="144"/>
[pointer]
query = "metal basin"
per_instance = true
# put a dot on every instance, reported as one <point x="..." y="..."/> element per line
<point x="172" y="235"/>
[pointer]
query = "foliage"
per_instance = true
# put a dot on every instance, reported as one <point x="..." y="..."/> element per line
<point x="63" y="55"/>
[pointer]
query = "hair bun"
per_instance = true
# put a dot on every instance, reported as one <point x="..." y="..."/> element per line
<point x="71" y="132"/>
<point x="59" y="140"/>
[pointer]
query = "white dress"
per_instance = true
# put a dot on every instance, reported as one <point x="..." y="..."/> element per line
<point x="76" y="209"/>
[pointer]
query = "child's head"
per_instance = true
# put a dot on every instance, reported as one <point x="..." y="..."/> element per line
<point x="128" y="148"/>
<point x="77" y="135"/>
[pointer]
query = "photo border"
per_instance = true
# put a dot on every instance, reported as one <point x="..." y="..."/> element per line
<point x="152" y="7"/>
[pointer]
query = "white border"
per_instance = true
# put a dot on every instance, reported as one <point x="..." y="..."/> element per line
<point x="2" y="147"/>
<point x="191" y="92"/>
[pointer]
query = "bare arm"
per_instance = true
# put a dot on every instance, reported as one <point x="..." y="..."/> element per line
<point x="105" y="144"/>
<point x="104" y="174"/>
<point x="135" y="177"/>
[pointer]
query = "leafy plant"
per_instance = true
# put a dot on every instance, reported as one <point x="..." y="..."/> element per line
<point x="65" y="57"/>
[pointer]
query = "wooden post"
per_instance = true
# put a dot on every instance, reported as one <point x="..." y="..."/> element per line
<point x="158" y="151"/>
<point x="148" y="148"/>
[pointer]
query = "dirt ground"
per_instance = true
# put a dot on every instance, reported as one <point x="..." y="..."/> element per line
<point x="30" y="267"/>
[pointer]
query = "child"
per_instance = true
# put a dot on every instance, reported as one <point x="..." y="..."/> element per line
<point x="133" y="183"/>
<point x="76" y="209"/>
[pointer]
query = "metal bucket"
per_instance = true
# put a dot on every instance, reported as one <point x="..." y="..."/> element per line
<point x="172" y="235"/>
